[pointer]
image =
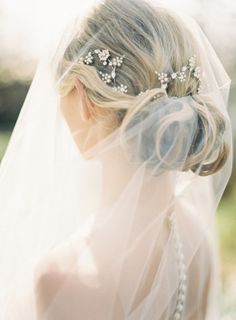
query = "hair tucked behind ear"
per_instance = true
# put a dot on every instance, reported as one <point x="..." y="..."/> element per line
<point x="151" y="38"/>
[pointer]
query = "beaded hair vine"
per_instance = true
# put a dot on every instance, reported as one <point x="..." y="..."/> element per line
<point x="105" y="58"/>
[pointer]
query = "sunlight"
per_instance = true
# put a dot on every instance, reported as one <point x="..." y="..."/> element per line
<point x="28" y="25"/>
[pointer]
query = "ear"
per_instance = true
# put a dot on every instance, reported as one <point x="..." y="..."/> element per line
<point x="85" y="102"/>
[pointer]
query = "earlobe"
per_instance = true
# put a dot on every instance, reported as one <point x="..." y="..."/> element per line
<point x="86" y="103"/>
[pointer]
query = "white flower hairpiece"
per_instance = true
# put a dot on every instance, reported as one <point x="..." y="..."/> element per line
<point x="106" y="60"/>
<point x="181" y="75"/>
<point x="165" y="79"/>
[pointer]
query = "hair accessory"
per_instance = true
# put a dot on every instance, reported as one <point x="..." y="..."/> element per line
<point x="181" y="75"/>
<point x="105" y="58"/>
<point x="122" y="88"/>
<point x="165" y="79"/>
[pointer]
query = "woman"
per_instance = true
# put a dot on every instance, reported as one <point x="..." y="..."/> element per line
<point x="124" y="150"/>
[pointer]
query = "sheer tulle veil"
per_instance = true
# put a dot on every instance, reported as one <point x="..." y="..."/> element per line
<point x="124" y="228"/>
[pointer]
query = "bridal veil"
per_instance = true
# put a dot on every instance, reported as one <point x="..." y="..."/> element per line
<point x="122" y="227"/>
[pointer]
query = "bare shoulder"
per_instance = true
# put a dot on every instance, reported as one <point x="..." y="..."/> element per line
<point x="54" y="269"/>
<point x="63" y="256"/>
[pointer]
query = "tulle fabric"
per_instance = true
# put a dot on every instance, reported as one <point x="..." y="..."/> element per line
<point x="69" y="251"/>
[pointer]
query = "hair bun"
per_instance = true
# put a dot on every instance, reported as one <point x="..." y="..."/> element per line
<point x="178" y="133"/>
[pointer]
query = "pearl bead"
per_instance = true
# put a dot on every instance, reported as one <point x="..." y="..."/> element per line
<point x="183" y="287"/>
<point x="183" y="277"/>
<point x="180" y="307"/>
<point x="174" y="75"/>
<point x="180" y="303"/>
<point x="182" y="297"/>
<point x="177" y="316"/>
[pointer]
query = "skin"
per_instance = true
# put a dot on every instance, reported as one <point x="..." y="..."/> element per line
<point x="56" y="283"/>
<point x="88" y="130"/>
<point x="52" y="274"/>
<point x="76" y="108"/>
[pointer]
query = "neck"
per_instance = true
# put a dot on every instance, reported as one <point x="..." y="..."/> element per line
<point x="117" y="172"/>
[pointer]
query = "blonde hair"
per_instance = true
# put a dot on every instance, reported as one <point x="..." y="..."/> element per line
<point x="151" y="39"/>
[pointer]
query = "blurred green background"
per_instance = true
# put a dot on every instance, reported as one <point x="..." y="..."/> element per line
<point x="20" y="53"/>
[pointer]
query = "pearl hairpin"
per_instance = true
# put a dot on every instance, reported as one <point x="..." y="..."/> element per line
<point x="122" y="88"/>
<point x="103" y="55"/>
<point x="106" y="60"/>
<point x="89" y="58"/>
<point x="181" y="75"/>
<point x="165" y="79"/>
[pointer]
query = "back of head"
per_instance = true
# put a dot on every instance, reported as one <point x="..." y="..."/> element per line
<point x="151" y="38"/>
<point x="141" y="67"/>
